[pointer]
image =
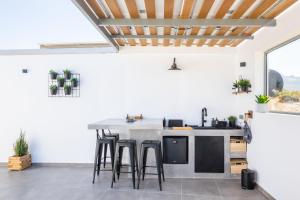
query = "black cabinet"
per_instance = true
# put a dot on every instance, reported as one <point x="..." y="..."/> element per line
<point x="175" y="149"/>
<point x="209" y="154"/>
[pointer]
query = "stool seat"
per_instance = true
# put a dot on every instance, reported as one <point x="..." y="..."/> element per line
<point x="127" y="141"/>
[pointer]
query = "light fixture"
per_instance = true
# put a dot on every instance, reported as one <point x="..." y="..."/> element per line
<point x="174" y="65"/>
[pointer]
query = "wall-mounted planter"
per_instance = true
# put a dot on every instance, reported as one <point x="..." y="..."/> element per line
<point x="65" y="85"/>
<point x="67" y="74"/>
<point x="53" y="74"/>
<point x="67" y="90"/>
<point x="74" y="82"/>
<point x="60" y="81"/>
<point x="53" y="90"/>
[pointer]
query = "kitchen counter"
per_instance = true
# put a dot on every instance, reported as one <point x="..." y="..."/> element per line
<point x="152" y="129"/>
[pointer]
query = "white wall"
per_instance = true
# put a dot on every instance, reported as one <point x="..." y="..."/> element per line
<point x="274" y="152"/>
<point x="112" y="85"/>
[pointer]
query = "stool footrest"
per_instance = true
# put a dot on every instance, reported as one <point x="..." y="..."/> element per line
<point x="151" y="173"/>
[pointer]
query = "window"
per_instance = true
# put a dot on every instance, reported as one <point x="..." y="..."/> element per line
<point x="283" y="77"/>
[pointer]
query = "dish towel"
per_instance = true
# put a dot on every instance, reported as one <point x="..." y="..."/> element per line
<point x="247" y="133"/>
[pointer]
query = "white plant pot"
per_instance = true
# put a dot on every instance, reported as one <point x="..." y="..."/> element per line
<point x="262" y="108"/>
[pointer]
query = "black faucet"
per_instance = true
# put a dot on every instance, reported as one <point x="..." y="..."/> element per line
<point x="204" y="113"/>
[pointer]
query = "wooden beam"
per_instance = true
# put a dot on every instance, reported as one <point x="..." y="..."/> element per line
<point x="116" y="11"/>
<point x="260" y="9"/>
<point x="168" y="14"/>
<point x="270" y="15"/>
<point x="226" y="5"/>
<point x="134" y="13"/>
<point x="205" y="8"/>
<point x="100" y="14"/>
<point x="238" y="13"/>
<point x="279" y="9"/>
<point x="185" y="13"/>
<point x="151" y="14"/>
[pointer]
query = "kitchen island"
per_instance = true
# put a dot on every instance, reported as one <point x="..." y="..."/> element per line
<point x="217" y="142"/>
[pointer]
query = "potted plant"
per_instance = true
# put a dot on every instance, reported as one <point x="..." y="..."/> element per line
<point x="67" y="74"/>
<point x="53" y="89"/>
<point x="22" y="158"/>
<point x="244" y="85"/>
<point x="235" y="86"/>
<point x="232" y="121"/>
<point x="67" y="89"/>
<point x="61" y="81"/>
<point x="53" y="74"/>
<point x="74" y="82"/>
<point x="262" y="103"/>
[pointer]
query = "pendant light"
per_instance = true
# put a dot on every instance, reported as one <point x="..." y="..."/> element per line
<point x="174" y="65"/>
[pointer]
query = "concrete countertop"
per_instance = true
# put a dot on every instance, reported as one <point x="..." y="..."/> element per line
<point x="144" y="124"/>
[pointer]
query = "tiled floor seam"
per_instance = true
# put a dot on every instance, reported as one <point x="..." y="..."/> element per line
<point x="219" y="190"/>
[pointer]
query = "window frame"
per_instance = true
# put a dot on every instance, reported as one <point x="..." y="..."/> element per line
<point x="266" y="78"/>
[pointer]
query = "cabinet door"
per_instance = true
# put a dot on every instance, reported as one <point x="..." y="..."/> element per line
<point x="175" y="149"/>
<point x="209" y="154"/>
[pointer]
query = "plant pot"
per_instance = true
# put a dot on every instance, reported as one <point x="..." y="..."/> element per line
<point x="74" y="83"/>
<point x="53" y="76"/>
<point x="53" y="91"/>
<point x="67" y="91"/>
<point x="67" y="75"/>
<point x="61" y="82"/>
<point x="245" y="89"/>
<point x="262" y="108"/>
<point x="232" y="124"/>
<point x="19" y="163"/>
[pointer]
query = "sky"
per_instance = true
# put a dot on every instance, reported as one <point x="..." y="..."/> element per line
<point x="27" y="23"/>
<point x="286" y="60"/>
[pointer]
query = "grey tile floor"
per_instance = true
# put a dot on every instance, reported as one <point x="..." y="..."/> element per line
<point x="74" y="183"/>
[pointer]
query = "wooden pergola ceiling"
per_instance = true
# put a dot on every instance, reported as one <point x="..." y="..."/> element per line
<point x="181" y="22"/>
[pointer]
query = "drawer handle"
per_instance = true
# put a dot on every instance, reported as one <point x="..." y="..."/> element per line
<point x="174" y="142"/>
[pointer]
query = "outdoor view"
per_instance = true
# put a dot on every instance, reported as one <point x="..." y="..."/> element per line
<point x="284" y="78"/>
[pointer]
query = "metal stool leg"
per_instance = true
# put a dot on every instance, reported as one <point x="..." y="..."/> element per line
<point x="145" y="161"/>
<point x="112" y="153"/>
<point x="105" y="152"/>
<point x="140" y="165"/>
<point x="161" y="161"/>
<point x="158" y="164"/>
<point x="132" y="163"/>
<point x="95" y="161"/>
<point x="99" y="158"/>
<point x="119" y="162"/>
<point x="115" y="165"/>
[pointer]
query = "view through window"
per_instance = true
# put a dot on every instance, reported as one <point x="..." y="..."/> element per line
<point x="283" y="77"/>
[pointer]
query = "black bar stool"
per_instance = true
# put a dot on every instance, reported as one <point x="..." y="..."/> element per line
<point x="110" y="136"/>
<point x="156" y="145"/>
<point x="98" y="153"/>
<point x="131" y="145"/>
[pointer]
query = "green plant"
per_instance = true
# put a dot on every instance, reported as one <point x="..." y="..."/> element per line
<point x="53" y="74"/>
<point x="67" y="89"/>
<point x="61" y="81"/>
<point x="244" y="83"/>
<point x="235" y="85"/>
<point x="262" y="99"/>
<point x="21" y="146"/>
<point x="67" y="74"/>
<point x="74" y="82"/>
<point x="232" y="119"/>
<point x="53" y="89"/>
